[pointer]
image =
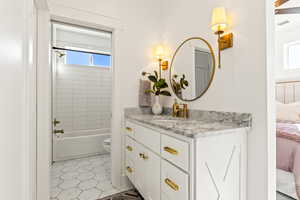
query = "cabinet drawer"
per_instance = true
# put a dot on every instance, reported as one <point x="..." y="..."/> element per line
<point x="175" y="151"/>
<point x="164" y="196"/>
<point x="148" y="137"/>
<point x="174" y="182"/>
<point x="130" y="170"/>
<point x="130" y="148"/>
<point x="129" y="129"/>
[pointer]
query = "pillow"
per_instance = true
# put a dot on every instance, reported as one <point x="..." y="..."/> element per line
<point x="288" y="112"/>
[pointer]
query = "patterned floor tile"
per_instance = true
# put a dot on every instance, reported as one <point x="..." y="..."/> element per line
<point x="69" y="194"/>
<point x="69" y="184"/>
<point x="82" y="179"/>
<point x="91" y="194"/>
<point x="88" y="184"/>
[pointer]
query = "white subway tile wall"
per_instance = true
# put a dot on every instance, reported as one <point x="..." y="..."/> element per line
<point x="82" y="97"/>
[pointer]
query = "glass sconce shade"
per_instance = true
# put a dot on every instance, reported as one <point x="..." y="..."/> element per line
<point x="219" y="19"/>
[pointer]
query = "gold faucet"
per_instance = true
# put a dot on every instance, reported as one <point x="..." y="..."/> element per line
<point x="180" y="110"/>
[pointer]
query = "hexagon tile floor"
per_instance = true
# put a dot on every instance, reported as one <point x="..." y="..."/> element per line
<point x="82" y="179"/>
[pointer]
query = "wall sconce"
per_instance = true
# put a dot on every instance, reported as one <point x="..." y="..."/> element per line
<point x="160" y="52"/>
<point x="218" y="25"/>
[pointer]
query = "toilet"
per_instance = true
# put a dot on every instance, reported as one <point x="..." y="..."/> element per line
<point x="107" y="144"/>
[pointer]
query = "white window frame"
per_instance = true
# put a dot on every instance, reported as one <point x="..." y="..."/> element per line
<point x="287" y="65"/>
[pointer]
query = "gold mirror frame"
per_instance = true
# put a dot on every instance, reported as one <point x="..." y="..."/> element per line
<point x="213" y="65"/>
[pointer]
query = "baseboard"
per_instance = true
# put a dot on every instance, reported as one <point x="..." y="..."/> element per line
<point x="125" y="183"/>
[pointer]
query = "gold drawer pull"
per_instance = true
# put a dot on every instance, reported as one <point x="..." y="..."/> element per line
<point x="171" y="151"/>
<point x="128" y="129"/>
<point x="172" y="185"/>
<point x="143" y="156"/>
<point x="129" y="148"/>
<point x="129" y="169"/>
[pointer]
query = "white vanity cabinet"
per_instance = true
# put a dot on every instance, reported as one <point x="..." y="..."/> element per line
<point x="168" y="166"/>
<point x="143" y="162"/>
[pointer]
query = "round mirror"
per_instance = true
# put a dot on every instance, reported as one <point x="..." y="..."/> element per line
<point x="192" y="69"/>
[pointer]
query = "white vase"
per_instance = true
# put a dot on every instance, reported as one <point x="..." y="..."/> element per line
<point x="156" y="107"/>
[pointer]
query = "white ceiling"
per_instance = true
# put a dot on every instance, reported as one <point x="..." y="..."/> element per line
<point x="294" y="19"/>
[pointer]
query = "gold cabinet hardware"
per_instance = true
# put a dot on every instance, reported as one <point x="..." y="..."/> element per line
<point x="143" y="156"/>
<point x="55" y="122"/>
<point x="171" y="184"/>
<point x="171" y="151"/>
<point x="129" y="169"/>
<point x="128" y="129"/>
<point x="129" y="148"/>
<point x="59" y="131"/>
<point x="180" y="110"/>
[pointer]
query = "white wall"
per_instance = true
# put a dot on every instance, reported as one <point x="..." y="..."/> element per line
<point x="241" y="84"/>
<point x="17" y="102"/>
<point x="283" y="37"/>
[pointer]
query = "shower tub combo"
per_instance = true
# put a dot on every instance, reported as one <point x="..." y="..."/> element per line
<point x="81" y="144"/>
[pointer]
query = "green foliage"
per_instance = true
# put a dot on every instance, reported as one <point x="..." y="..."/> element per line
<point x="159" y="84"/>
<point x="183" y="83"/>
<point x="180" y="85"/>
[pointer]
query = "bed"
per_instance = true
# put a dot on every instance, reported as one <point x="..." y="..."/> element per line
<point x="288" y="138"/>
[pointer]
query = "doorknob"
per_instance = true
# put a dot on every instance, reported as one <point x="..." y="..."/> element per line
<point x="59" y="131"/>
<point x="55" y="122"/>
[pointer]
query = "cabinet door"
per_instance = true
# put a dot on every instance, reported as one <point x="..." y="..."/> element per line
<point x="130" y="170"/>
<point x="140" y="169"/>
<point x="152" y="175"/>
<point x="221" y="167"/>
<point x="147" y="177"/>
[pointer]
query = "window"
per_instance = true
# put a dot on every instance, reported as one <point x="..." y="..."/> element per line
<point x="101" y="60"/>
<point x="87" y="59"/>
<point x="77" y="58"/>
<point x="292" y="55"/>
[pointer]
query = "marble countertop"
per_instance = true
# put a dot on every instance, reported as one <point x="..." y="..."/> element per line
<point x="200" y="124"/>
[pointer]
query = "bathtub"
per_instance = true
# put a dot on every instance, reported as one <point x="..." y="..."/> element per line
<point x="79" y="144"/>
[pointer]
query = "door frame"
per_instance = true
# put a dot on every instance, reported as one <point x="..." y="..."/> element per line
<point x="271" y="100"/>
<point x="43" y="109"/>
<point x="54" y="65"/>
<point x="44" y="82"/>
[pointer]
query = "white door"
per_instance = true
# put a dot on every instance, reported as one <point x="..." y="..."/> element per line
<point x="202" y="70"/>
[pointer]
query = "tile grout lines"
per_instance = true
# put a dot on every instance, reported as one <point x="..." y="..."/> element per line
<point x="82" y="179"/>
